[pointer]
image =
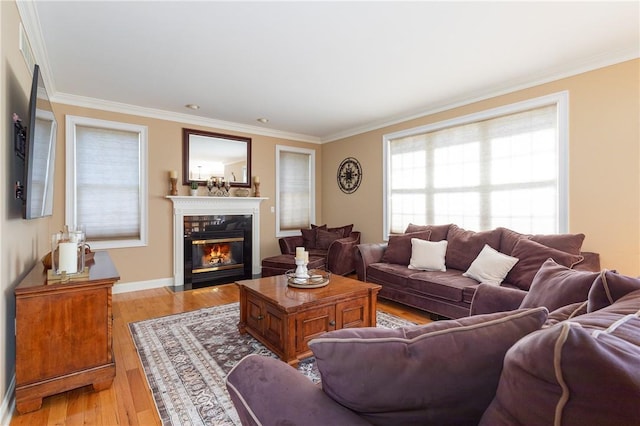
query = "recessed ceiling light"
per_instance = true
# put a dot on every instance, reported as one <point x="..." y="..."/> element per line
<point x="192" y="106"/>
<point x="263" y="120"/>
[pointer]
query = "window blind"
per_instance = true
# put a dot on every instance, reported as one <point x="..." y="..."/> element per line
<point x="294" y="190"/>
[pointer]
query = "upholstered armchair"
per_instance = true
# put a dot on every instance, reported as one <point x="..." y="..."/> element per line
<point x="339" y="253"/>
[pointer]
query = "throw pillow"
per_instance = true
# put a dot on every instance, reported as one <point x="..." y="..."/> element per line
<point x="421" y="374"/>
<point x="325" y="238"/>
<point x="438" y="232"/>
<point x="509" y="239"/>
<point x="608" y="287"/>
<point x="309" y="236"/>
<point x="532" y="255"/>
<point x="464" y="246"/>
<point x="570" y="243"/>
<point x="555" y="286"/>
<point x="490" y="266"/>
<point x="428" y="255"/>
<point x="344" y="231"/>
<point x="399" y="247"/>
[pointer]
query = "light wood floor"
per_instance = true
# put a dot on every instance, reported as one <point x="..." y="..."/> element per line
<point x="129" y="400"/>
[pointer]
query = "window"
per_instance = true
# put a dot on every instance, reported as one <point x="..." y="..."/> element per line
<point x="502" y="167"/>
<point x="106" y="181"/>
<point x="295" y="189"/>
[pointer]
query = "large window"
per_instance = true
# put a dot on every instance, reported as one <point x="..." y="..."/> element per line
<point x="503" y="167"/>
<point x="295" y="189"/>
<point x="106" y="181"/>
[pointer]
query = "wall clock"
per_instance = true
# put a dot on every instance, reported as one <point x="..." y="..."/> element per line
<point x="349" y="175"/>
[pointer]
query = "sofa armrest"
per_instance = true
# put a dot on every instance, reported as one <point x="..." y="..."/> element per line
<point x="490" y="298"/>
<point x="288" y="244"/>
<point x="591" y="262"/>
<point x="340" y="256"/>
<point x="267" y="391"/>
<point x="365" y="255"/>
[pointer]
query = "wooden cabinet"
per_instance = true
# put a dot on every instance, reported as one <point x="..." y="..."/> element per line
<point x="285" y="319"/>
<point x="64" y="333"/>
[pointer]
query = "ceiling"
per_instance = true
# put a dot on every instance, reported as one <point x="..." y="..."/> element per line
<point x="318" y="71"/>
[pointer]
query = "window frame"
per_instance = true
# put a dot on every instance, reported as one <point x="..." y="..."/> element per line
<point x="70" y="185"/>
<point x="312" y="187"/>
<point x="560" y="99"/>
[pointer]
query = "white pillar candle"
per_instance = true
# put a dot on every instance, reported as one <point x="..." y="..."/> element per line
<point x="300" y="252"/>
<point x="173" y="174"/>
<point x="306" y="256"/>
<point x="68" y="257"/>
<point x="256" y="179"/>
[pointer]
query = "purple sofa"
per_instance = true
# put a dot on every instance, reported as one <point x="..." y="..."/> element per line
<point x="577" y="366"/>
<point x="448" y="292"/>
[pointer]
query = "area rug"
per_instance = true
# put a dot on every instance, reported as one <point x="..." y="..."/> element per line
<point x="186" y="358"/>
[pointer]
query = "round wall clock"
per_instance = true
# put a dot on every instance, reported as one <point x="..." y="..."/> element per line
<point x="349" y="175"/>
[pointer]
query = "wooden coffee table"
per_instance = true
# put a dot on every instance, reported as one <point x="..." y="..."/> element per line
<point x="284" y="318"/>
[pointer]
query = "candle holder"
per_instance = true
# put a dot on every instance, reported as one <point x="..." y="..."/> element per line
<point x="301" y="269"/>
<point x="257" y="190"/>
<point x="173" y="186"/>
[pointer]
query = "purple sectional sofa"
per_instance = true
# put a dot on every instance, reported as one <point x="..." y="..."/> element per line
<point x="448" y="292"/>
<point x="577" y="366"/>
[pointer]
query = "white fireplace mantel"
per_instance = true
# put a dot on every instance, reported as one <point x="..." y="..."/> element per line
<point x="201" y="206"/>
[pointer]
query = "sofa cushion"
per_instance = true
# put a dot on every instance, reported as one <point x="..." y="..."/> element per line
<point x="565" y="313"/>
<point x="508" y="240"/>
<point x="464" y="246"/>
<point x="389" y="274"/>
<point x="532" y="255"/>
<point x="309" y="236"/>
<point x="608" y="287"/>
<point x="399" y="247"/>
<point x="442" y="373"/>
<point x="570" y="243"/>
<point x="555" y="286"/>
<point x="438" y="232"/>
<point x="449" y="284"/>
<point x="490" y="266"/>
<point x="580" y="372"/>
<point x="428" y="255"/>
<point x="325" y="238"/>
<point x="344" y="231"/>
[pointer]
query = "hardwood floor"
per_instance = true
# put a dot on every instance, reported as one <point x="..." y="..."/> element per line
<point x="129" y="400"/>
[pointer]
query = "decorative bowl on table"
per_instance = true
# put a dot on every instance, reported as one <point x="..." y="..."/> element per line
<point x="316" y="278"/>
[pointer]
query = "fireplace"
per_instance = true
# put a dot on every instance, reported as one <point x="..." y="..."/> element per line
<point x="189" y="207"/>
<point x="217" y="249"/>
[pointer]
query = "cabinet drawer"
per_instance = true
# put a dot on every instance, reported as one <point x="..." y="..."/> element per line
<point x="353" y="313"/>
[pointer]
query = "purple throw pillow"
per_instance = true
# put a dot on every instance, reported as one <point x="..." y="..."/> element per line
<point x="399" y="247"/>
<point x="570" y="243"/>
<point x="555" y="286"/>
<point x="532" y="255"/>
<point x="608" y="287"/>
<point x="325" y="238"/>
<point x="438" y="232"/>
<point x="421" y="374"/>
<point x="464" y="246"/>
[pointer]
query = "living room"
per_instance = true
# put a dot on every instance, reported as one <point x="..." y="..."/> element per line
<point x="604" y="173"/>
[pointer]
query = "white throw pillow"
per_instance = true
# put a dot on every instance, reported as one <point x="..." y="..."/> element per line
<point x="490" y="266"/>
<point x="428" y="255"/>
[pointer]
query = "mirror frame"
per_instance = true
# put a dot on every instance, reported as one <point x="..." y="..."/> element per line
<point x="186" y="133"/>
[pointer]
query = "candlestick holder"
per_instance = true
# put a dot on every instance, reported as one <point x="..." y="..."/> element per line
<point x="301" y="269"/>
<point x="257" y="190"/>
<point x="173" y="186"/>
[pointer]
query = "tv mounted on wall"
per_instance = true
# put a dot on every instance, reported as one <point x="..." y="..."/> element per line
<point x="40" y="150"/>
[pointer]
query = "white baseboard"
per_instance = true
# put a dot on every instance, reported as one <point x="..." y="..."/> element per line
<point x="8" y="403"/>
<point x="142" y="285"/>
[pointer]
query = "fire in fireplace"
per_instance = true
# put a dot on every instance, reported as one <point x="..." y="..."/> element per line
<point x="217" y="250"/>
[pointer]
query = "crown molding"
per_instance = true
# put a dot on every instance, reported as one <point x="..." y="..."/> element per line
<point x="86" y="102"/>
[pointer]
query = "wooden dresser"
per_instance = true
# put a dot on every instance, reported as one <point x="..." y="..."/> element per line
<point x="63" y="333"/>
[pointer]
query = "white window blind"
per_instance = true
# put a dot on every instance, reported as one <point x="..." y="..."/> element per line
<point x="107" y="183"/>
<point x="501" y="168"/>
<point x="295" y="199"/>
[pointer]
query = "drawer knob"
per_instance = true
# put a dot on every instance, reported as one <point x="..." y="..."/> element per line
<point x="260" y="317"/>
<point x="332" y="323"/>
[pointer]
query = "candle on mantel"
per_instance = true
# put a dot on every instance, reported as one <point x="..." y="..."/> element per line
<point x="256" y="179"/>
<point x="300" y="253"/>
<point x="173" y="174"/>
<point x="68" y="257"/>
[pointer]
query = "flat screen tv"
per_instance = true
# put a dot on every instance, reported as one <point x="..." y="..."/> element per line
<point x="40" y="152"/>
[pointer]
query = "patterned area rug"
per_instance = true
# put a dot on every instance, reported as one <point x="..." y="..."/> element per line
<point x="187" y="356"/>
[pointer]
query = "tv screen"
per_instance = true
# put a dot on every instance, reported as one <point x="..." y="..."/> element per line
<point x="40" y="152"/>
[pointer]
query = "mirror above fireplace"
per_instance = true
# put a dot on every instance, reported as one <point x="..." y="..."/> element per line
<point x="208" y="154"/>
